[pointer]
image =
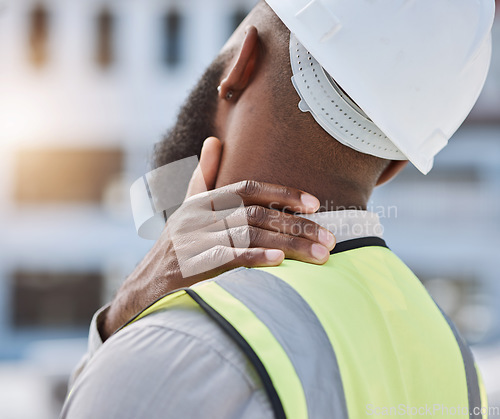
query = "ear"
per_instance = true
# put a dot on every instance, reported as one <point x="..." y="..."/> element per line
<point x="240" y="74"/>
<point x="394" y="167"/>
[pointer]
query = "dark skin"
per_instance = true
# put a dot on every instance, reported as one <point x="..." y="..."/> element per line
<point x="261" y="236"/>
<point x="250" y="115"/>
<point x="255" y="157"/>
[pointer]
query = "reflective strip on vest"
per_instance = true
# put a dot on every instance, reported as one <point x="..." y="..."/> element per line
<point x="474" y="393"/>
<point x="482" y="392"/>
<point x="281" y="371"/>
<point x="298" y="331"/>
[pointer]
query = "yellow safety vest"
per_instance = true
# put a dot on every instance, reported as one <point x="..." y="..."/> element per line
<point x="359" y="336"/>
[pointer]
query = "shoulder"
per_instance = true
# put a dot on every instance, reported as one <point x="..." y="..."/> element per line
<point x="177" y="362"/>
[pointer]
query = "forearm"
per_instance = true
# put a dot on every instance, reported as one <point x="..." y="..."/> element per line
<point x="151" y="279"/>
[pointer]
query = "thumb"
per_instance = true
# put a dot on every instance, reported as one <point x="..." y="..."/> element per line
<point x="205" y="174"/>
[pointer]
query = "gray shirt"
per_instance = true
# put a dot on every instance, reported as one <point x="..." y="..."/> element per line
<point x="178" y="363"/>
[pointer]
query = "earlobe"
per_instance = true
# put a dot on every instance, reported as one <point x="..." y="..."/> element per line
<point x="241" y="73"/>
<point x="229" y="94"/>
<point x="394" y="167"/>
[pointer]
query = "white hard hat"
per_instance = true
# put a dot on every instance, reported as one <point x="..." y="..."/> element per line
<point x="414" y="69"/>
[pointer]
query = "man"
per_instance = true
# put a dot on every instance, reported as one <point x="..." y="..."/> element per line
<point x="346" y="336"/>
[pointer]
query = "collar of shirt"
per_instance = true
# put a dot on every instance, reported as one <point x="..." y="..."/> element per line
<point x="348" y="224"/>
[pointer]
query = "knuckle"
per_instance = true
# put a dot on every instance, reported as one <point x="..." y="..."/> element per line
<point x="290" y="242"/>
<point x="256" y="215"/>
<point x="240" y="237"/>
<point x="287" y="192"/>
<point x="248" y="188"/>
<point x="301" y="227"/>
<point x="245" y="231"/>
<point x="218" y="253"/>
<point x="195" y="203"/>
<point x="254" y="234"/>
<point x="312" y="229"/>
<point x="247" y="257"/>
<point x="276" y="222"/>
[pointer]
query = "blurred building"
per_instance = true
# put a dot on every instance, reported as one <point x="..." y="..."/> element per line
<point x="86" y="88"/>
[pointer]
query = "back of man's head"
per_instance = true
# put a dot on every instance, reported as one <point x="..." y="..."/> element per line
<point x="299" y="131"/>
<point x="334" y="144"/>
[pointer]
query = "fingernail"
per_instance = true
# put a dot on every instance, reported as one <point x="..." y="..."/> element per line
<point x="273" y="255"/>
<point x="310" y="201"/>
<point x="326" y="238"/>
<point x="319" y="252"/>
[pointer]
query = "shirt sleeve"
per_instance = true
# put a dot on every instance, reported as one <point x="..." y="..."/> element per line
<point x="94" y="343"/>
<point x="167" y="369"/>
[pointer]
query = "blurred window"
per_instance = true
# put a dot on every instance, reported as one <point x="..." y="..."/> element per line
<point x="55" y="299"/>
<point x="172" y="38"/>
<point x="104" y="45"/>
<point x="38" y="35"/>
<point x="65" y="175"/>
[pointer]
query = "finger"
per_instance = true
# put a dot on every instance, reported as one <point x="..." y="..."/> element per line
<point x="257" y="216"/>
<point x="294" y="247"/>
<point x="220" y="259"/>
<point x="209" y="161"/>
<point x="264" y="194"/>
<point x="281" y="222"/>
<point x="257" y="257"/>
<point x="205" y="174"/>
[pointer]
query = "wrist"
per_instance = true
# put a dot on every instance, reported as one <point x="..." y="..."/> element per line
<point x="141" y="289"/>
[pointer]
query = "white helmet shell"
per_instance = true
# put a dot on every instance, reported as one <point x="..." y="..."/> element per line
<point x="414" y="67"/>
